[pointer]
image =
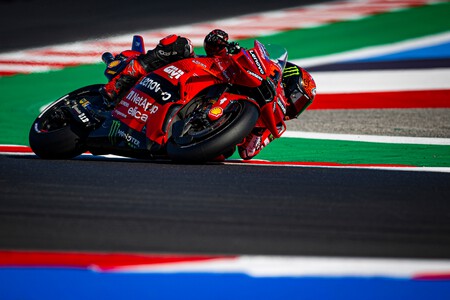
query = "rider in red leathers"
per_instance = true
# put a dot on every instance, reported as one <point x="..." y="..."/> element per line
<point x="298" y="85"/>
<point x="169" y="49"/>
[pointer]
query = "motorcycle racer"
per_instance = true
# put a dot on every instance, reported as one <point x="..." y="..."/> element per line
<point x="298" y="87"/>
<point x="169" y="49"/>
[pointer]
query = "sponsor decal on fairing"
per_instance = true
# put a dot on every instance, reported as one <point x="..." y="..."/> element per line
<point x="173" y="72"/>
<point x="257" y="61"/>
<point x="281" y="105"/>
<point x="135" y="113"/>
<point x="155" y="86"/>
<point x="142" y="102"/>
<point x="199" y="63"/>
<point x="132" y="141"/>
<point x="115" y="132"/>
<point x="254" y="75"/>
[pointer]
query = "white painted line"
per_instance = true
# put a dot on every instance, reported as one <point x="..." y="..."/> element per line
<point x="18" y="68"/>
<point x="21" y="57"/>
<point x="367" y="138"/>
<point x="354" y="167"/>
<point x="372" y="51"/>
<point x="266" y="163"/>
<point x="296" y="266"/>
<point x="382" y="81"/>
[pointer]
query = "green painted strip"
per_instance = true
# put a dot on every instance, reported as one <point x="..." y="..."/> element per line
<point x="23" y="95"/>
<point x="376" y="30"/>
<point x="371" y="31"/>
<point x="348" y="152"/>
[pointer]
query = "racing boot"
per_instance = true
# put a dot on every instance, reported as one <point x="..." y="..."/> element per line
<point x="123" y="82"/>
<point x="251" y="145"/>
<point x="255" y="142"/>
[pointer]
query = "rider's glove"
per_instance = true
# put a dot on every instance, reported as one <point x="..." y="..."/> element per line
<point x="216" y="42"/>
<point x="233" y="48"/>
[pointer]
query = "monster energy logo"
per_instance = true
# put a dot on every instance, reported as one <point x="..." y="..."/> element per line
<point x="291" y="71"/>
<point x="113" y="130"/>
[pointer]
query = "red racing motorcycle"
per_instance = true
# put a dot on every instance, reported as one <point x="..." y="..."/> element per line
<point x="193" y="110"/>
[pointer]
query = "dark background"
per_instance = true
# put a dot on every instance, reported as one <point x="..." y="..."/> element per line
<point x="30" y="23"/>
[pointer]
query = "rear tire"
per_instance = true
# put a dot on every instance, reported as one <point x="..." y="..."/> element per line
<point x="59" y="138"/>
<point x="62" y="143"/>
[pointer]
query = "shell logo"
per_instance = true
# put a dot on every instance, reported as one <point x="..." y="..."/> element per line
<point x="216" y="112"/>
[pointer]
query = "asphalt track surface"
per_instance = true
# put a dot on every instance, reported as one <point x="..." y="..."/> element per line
<point x="97" y="204"/>
<point x="121" y="205"/>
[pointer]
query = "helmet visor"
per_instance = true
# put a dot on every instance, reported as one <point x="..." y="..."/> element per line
<point x="296" y="95"/>
<point x="299" y="101"/>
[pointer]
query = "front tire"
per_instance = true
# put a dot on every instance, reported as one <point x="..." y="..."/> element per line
<point x="219" y="141"/>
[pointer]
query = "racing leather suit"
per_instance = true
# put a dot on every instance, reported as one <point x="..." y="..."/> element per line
<point x="169" y="49"/>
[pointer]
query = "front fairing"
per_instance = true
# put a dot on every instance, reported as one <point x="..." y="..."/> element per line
<point x="262" y="62"/>
<point x="273" y="112"/>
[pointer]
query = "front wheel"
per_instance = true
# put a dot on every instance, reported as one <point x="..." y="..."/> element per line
<point x="195" y="139"/>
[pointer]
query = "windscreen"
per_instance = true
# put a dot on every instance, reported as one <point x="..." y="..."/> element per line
<point x="276" y="54"/>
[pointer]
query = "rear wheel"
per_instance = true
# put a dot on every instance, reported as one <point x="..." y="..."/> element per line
<point x="197" y="139"/>
<point x="55" y="134"/>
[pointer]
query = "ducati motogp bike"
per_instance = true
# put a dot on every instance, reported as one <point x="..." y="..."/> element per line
<point x="193" y="110"/>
